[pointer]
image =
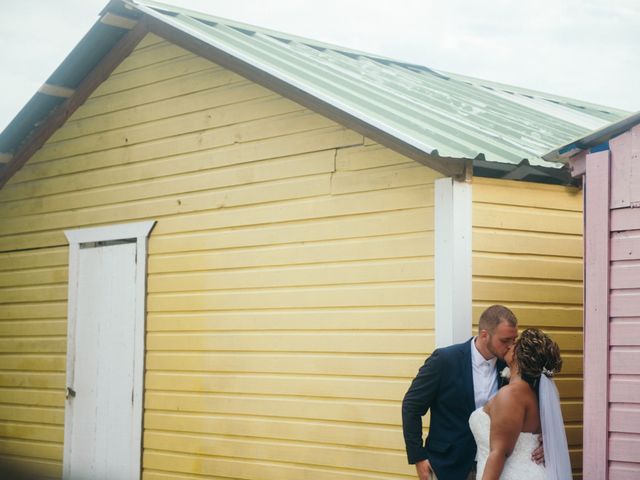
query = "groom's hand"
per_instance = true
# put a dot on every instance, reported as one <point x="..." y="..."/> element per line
<point x="423" y="468"/>
<point x="538" y="454"/>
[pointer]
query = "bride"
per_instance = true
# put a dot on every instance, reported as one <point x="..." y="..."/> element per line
<point x="507" y="428"/>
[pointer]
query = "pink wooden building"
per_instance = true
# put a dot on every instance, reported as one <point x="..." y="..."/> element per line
<point x="608" y="160"/>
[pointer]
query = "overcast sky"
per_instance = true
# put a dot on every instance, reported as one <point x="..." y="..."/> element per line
<point x="585" y="49"/>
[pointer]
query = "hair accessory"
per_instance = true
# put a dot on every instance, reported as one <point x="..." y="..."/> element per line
<point x="547" y="373"/>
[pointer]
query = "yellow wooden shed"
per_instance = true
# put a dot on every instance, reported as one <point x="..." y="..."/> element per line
<point x="225" y="251"/>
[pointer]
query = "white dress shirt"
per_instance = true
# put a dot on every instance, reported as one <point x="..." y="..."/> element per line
<point x="485" y="380"/>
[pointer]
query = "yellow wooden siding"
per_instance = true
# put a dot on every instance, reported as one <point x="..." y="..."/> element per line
<point x="527" y="254"/>
<point x="290" y="288"/>
<point x="33" y="345"/>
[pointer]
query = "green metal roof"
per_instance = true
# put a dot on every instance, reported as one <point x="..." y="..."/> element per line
<point x="438" y="113"/>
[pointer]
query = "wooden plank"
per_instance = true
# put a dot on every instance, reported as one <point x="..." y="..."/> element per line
<point x="381" y="178"/>
<point x="624" y="447"/>
<point x="625" y="245"/>
<point x="337" y="319"/>
<point x="510" y="290"/>
<point x="44" y="276"/>
<point x="624" y="471"/>
<point x="149" y="55"/>
<point x="542" y="316"/>
<point x="38" y="450"/>
<point x="304" y="275"/>
<point x="361" y="342"/>
<point x="197" y="190"/>
<point x="634" y="178"/>
<point x="526" y="266"/>
<point x="194" y="99"/>
<point x="596" y="370"/>
<point x="525" y="242"/>
<point x="196" y="75"/>
<point x="31" y="362"/>
<point x="624" y="389"/>
<point x="51" y="257"/>
<point x="34" y="397"/>
<point x="335" y="456"/>
<point x="365" y="225"/>
<point x="367" y="436"/>
<point x="625" y="331"/>
<point x="34" y="467"/>
<point x="624" y="360"/>
<point x="625" y="274"/>
<point x="14" y="413"/>
<point x="625" y="219"/>
<point x="526" y="219"/>
<point x="36" y="311"/>
<point x="311" y="208"/>
<point x="368" y="156"/>
<point x="625" y="303"/>
<point x="44" y="433"/>
<point x="323" y="409"/>
<point x="247" y="470"/>
<point x="224" y="125"/>
<point x="620" y="147"/>
<point x="265" y="384"/>
<point x="179" y="155"/>
<point x="624" y="418"/>
<point x="509" y="192"/>
<point x="38" y="293"/>
<point x="64" y="110"/>
<point x="33" y="345"/>
<point x="32" y="380"/>
<point x="303" y="297"/>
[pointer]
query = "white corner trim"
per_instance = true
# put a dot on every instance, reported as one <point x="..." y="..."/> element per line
<point x="140" y="232"/>
<point x="453" y="256"/>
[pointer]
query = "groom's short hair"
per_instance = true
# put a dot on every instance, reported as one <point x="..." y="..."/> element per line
<point x="495" y="314"/>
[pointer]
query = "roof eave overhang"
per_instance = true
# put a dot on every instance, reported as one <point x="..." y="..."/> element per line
<point x="38" y="136"/>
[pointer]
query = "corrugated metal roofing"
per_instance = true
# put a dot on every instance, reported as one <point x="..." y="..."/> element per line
<point x="438" y="113"/>
<point x="593" y="139"/>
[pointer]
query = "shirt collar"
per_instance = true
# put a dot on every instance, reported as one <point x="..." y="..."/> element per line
<point x="476" y="357"/>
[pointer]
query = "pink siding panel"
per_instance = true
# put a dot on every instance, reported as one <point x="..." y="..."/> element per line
<point x="625" y="245"/>
<point x="624" y="471"/>
<point x="625" y="361"/>
<point x="596" y="312"/>
<point x="624" y="332"/>
<point x="625" y="219"/>
<point x="625" y="274"/>
<point x="623" y="389"/>
<point x="624" y="418"/>
<point x="625" y="303"/>
<point x="624" y="447"/>
<point x="620" y="170"/>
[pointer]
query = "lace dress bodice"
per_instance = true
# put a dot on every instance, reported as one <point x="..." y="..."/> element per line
<point x="519" y="465"/>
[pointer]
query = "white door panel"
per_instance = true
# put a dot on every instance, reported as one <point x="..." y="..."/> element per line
<point x="104" y="363"/>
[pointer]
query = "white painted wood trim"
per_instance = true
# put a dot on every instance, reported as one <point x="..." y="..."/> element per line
<point x="453" y="256"/>
<point x="140" y="231"/>
<point x="108" y="233"/>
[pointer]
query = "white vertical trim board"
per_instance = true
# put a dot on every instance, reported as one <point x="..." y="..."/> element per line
<point x="453" y="210"/>
<point x="137" y="233"/>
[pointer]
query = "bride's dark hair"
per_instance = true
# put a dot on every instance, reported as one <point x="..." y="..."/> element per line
<point x="536" y="355"/>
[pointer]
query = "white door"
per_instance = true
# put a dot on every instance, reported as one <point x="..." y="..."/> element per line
<point x="105" y="355"/>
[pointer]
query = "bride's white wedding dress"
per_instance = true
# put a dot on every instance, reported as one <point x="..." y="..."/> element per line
<point x="519" y="465"/>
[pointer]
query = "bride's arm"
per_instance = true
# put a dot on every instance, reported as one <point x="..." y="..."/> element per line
<point x="507" y="417"/>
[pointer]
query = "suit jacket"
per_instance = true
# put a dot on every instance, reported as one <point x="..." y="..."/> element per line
<point x="444" y="385"/>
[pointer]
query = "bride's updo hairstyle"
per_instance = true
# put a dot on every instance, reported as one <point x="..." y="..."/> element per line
<point x="536" y="355"/>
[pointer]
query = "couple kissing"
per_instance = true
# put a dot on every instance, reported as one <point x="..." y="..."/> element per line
<point x="484" y="426"/>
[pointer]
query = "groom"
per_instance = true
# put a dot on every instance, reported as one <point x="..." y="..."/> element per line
<point x="452" y="383"/>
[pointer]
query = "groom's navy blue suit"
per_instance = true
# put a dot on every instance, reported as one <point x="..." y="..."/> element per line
<point x="444" y="385"/>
